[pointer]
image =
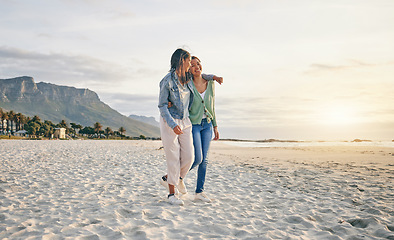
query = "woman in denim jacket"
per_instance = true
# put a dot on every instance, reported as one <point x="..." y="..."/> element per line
<point x="175" y="125"/>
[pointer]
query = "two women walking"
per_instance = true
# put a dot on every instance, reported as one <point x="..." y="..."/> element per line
<point x="186" y="118"/>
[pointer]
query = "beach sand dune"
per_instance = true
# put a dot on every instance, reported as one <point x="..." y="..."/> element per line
<point x="111" y="190"/>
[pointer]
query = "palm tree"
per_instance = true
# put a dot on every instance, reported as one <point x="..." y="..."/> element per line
<point x="97" y="128"/>
<point x="11" y="118"/>
<point x="122" y="130"/>
<point x="36" y="119"/>
<point x="22" y="122"/>
<point x="108" y="131"/>
<point x="18" y="118"/>
<point x="63" y="124"/>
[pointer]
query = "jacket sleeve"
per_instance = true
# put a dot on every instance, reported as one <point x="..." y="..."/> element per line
<point x="208" y="77"/>
<point x="163" y="104"/>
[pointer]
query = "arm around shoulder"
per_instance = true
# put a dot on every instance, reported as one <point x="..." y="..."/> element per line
<point x="211" y="77"/>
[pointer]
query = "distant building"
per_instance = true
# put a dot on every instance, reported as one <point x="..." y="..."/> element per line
<point x="60" y="133"/>
<point x="20" y="133"/>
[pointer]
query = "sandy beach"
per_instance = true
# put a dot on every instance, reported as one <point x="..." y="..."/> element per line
<point x="110" y="190"/>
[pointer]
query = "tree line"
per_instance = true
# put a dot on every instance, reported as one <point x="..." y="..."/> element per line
<point x="12" y="122"/>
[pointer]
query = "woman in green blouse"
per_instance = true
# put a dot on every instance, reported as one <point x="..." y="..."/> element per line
<point x="203" y="117"/>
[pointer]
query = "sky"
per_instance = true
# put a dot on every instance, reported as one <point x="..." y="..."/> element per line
<point x="293" y="70"/>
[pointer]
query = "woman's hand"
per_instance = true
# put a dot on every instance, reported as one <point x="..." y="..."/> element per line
<point x="218" y="79"/>
<point x="177" y="130"/>
<point x="216" y="132"/>
<point x="169" y="104"/>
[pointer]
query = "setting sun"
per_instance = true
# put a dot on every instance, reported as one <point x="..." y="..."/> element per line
<point x="339" y="115"/>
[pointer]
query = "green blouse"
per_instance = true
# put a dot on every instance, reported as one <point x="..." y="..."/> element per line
<point x="201" y="106"/>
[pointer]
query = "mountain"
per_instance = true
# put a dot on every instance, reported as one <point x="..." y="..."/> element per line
<point x="55" y="103"/>
<point x="149" y="120"/>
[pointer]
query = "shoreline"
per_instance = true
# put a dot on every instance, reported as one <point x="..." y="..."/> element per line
<point x="299" y="141"/>
<point x="271" y="140"/>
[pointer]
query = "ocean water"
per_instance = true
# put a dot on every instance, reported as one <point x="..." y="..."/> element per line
<point x="309" y="144"/>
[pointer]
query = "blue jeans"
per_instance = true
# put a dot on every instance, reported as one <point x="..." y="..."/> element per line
<point x="202" y="136"/>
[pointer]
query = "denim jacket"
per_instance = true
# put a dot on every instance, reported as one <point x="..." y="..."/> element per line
<point x="169" y="92"/>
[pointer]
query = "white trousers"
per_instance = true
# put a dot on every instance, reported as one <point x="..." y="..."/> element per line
<point x="179" y="149"/>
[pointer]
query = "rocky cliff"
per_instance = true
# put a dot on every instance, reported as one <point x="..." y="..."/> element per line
<point x="55" y="103"/>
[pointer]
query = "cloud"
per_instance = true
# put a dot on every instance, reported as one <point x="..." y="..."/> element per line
<point x="103" y="77"/>
<point x="100" y="9"/>
<point x="81" y="71"/>
<point x="316" y="66"/>
<point x="352" y="64"/>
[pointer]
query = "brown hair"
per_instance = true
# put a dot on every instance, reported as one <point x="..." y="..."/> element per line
<point x="194" y="57"/>
<point x="177" y="59"/>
